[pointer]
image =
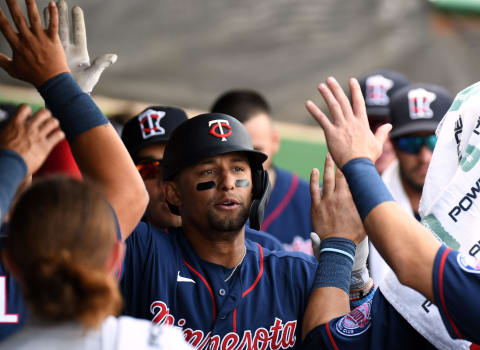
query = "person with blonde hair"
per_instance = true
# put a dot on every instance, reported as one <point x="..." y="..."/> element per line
<point x="63" y="247"/>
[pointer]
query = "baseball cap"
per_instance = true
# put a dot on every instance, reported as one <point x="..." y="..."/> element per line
<point x="418" y="107"/>
<point x="155" y="124"/>
<point x="377" y="89"/>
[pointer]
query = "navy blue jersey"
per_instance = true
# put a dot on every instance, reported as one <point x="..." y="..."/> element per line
<point x="287" y="216"/>
<point x="13" y="310"/>
<point x="373" y="325"/>
<point x="265" y="239"/>
<point x="260" y="306"/>
<point x="456" y="287"/>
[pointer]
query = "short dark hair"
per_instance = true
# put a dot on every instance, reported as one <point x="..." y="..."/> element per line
<point x="242" y="104"/>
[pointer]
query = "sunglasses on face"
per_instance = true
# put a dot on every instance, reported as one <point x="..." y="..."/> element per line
<point x="413" y="144"/>
<point x="150" y="169"/>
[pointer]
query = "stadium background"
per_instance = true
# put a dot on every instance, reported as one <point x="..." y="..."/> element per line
<point x="186" y="52"/>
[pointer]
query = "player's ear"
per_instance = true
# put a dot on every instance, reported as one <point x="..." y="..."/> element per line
<point x="275" y="140"/>
<point x="172" y="193"/>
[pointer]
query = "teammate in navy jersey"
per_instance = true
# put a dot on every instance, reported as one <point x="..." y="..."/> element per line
<point x="287" y="216"/>
<point x="40" y="60"/>
<point x="24" y="147"/>
<point x="448" y="278"/>
<point x="221" y="288"/>
<point x="145" y="137"/>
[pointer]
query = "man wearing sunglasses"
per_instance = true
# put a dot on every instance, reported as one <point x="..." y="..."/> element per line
<point x="145" y="137"/>
<point x="415" y="112"/>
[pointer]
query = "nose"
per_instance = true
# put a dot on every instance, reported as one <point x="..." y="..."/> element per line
<point x="227" y="181"/>
<point x="425" y="155"/>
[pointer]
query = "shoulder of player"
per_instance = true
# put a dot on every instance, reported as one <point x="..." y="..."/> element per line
<point x="281" y="257"/>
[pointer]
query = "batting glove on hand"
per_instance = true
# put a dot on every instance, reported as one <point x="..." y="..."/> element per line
<point x="86" y="74"/>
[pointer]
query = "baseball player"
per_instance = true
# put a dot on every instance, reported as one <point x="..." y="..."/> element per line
<point x="69" y="286"/>
<point x="23" y="148"/>
<point x="378" y="87"/>
<point x="444" y="276"/>
<point x="40" y="60"/>
<point x="145" y="137"/>
<point x="287" y="216"/>
<point x="206" y="277"/>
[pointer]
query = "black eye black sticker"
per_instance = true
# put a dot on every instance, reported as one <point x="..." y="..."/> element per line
<point x="203" y="186"/>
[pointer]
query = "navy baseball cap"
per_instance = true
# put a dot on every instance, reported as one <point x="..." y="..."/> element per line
<point x="155" y="124"/>
<point x="417" y="108"/>
<point x="377" y="89"/>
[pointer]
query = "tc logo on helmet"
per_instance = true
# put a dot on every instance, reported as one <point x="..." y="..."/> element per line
<point x="221" y="125"/>
<point x="377" y="87"/>
<point x="150" y="123"/>
<point x="419" y="101"/>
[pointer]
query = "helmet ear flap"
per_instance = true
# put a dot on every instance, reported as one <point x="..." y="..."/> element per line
<point x="261" y="195"/>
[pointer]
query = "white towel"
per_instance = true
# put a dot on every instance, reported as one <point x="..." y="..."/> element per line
<point x="450" y="208"/>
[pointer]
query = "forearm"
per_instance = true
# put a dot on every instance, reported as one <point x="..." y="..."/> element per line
<point x="330" y="298"/>
<point x="97" y="148"/>
<point x="324" y="305"/>
<point x="12" y="172"/>
<point x="405" y="244"/>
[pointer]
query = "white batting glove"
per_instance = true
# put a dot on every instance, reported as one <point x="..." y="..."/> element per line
<point x="360" y="276"/>
<point x="86" y="74"/>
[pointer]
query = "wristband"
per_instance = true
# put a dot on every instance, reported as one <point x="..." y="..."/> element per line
<point x="12" y="172"/>
<point x="335" y="264"/>
<point x="366" y="185"/>
<point x="74" y="109"/>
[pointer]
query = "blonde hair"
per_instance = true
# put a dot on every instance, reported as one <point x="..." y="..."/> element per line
<point x="61" y="233"/>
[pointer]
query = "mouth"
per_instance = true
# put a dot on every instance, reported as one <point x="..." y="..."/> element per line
<point x="227" y="204"/>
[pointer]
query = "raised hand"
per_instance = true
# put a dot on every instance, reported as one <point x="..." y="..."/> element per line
<point x="348" y="136"/>
<point x="86" y="74"/>
<point x="333" y="212"/>
<point x="37" y="54"/>
<point x="32" y="137"/>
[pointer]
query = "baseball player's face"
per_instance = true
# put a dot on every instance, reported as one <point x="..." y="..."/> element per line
<point x="216" y="194"/>
<point x="265" y="137"/>
<point x="157" y="212"/>
<point x="413" y="167"/>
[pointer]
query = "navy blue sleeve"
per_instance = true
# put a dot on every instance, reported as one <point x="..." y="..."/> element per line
<point x="265" y="239"/>
<point x="12" y="172"/>
<point x="456" y="287"/>
<point x="74" y="109"/>
<point x="373" y="325"/>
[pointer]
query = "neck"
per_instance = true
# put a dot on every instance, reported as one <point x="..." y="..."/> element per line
<point x="221" y="248"/>
<point x="413" y="195"/>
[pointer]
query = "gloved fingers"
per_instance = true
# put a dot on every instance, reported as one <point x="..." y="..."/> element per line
<point x="315" y="244"/>
<point x="103" y="62"/>
<point x="63" y="30"/>
<point x="361" y="255"/>
<point x="79" y="30"/>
